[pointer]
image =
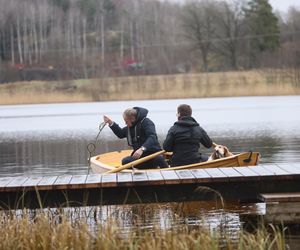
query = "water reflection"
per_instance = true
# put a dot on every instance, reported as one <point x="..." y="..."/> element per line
<point x="167" y="216"/>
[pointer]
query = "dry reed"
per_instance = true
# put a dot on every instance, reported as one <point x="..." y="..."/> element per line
<point x="48" y="230"/>
<point x="222" y="84"/>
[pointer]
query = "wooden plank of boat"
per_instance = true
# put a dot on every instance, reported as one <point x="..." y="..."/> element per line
<point x="231" y="161"/>
<point x="109" y="161"/>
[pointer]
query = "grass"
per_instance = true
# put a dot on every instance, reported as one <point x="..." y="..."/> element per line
<point x="57" y="229"/>
<point x="221" y="84"/>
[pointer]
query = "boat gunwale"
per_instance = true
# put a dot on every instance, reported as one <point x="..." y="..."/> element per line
<point x="96" y="163"/>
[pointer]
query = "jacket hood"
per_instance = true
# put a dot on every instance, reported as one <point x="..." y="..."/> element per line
<point x="141" y="113"/>
<point x="187" y="121"/>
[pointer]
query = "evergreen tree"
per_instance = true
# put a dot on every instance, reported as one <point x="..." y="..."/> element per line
<point x="263" y="26"/>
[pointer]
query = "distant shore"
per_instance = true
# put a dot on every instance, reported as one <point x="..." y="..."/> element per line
<point x="201" y="85"/>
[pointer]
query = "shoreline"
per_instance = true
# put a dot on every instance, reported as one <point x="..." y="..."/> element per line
<point x="201" y="85"/>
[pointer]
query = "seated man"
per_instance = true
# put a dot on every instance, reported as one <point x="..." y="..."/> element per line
<point x="141" y="136"/>
<point x="184" y="138"/>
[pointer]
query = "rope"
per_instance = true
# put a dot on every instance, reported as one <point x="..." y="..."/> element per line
<point x="91" y="147"/>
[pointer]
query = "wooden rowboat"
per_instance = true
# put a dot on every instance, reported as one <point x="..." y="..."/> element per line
<point x="109" y="161"/>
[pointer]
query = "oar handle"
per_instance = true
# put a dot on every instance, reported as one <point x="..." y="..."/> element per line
<point x="136" y="162"/>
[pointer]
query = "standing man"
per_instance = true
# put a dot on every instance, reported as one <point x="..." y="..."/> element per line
<point x="184" y="138"/>
<point x="141" y="136"/>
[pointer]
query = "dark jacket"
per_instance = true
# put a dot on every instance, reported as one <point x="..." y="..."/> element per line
<point x="183" y="139"/>
<point x="141" y="133"/>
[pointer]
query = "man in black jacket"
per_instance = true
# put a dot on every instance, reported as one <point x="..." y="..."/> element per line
<point x="184" y="138"/>
<point x="141" y="136"/>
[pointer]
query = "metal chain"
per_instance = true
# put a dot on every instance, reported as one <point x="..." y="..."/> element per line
<point x="91" y="147"/>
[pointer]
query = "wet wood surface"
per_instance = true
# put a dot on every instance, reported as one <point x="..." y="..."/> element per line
<point x="242" y="183"/>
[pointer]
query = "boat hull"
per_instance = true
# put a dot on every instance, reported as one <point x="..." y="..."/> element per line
<point x="106" y="162"/>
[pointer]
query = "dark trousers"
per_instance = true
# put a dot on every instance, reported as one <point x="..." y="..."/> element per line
<point x="203" y="158"/>
<point x="157" y="162"/>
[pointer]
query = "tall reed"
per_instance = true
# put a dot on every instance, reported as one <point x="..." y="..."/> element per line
<point x="217" y="84"/>
<point x="55" y="230"/>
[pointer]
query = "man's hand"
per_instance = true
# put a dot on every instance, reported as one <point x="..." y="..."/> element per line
<point x="106" y="119"/>
<point x="138" y="153"/>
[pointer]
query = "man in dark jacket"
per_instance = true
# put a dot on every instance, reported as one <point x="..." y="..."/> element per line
<point x="141" y="136"/>
<point x="184" y="138"/>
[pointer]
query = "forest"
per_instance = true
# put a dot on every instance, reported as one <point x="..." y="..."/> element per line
<point x="82" y="39"/>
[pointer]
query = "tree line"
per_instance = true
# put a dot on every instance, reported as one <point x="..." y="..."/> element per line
<point x="67" y="39"/>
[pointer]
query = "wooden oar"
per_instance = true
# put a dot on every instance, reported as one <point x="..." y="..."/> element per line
<point x="136" y="162"/>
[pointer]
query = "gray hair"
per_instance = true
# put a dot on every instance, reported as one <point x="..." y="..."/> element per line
<point x="131" y="112"/>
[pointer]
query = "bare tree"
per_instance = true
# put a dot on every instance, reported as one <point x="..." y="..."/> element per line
<point x="199" y="28"/>
<point x="230" y="31"/>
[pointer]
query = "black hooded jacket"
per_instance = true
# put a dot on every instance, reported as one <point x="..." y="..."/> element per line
<point x="141" y="133"/>
<point x="183" y="139"/>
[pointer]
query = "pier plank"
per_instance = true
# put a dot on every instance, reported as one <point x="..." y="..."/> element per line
<point x="4" y="181"/>
<point x="47" y="182"/>
<point x="140" y="177"/>
<point x="262" y="171"/>
<point x="292" y="164"/>
<point x="93" y="178"/>
<point x="230" y="172"/>
<point x="62" y="181"/>
<point x="124" y="179"/>
<point x="109" y="180"/>
<point x="78" y="179"/>
<point x="186" y="176"/>
<point x="291" y="168"/>
<point x="170" y="177"/>
<point x="280" y="197"/>
<point x="17" y="182"/>
<point x="275" y="170"/>
<point x="32" y="181"/>
<point x="201" y="175"/>
<point x="215" y="173"/>
<point x="246" y="171"/>
<point x="155" y="177"/>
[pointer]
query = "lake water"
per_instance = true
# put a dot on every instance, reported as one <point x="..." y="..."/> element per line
<point x="51" y="139"/>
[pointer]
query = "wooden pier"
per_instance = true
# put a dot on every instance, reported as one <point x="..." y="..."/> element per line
<point x="238" y="183"/>
<point x="282" y="208"/>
